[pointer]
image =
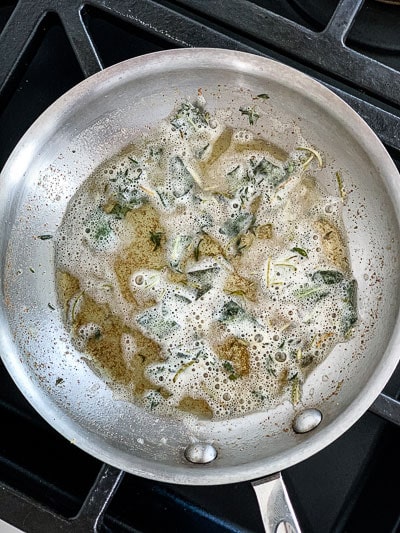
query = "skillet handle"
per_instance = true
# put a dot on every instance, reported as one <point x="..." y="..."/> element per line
<point x="276" y="509"/>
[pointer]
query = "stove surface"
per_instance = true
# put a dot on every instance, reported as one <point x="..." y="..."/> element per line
<point x="46" y="47"/>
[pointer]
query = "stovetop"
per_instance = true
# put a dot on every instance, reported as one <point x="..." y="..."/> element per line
<point x="46" y="47"/>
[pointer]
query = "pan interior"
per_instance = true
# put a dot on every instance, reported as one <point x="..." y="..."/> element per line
<point x="89" y="125"/>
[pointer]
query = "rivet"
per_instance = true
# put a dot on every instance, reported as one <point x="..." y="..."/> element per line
<point x="307" y="420"/>
<point x="200" y="453"/>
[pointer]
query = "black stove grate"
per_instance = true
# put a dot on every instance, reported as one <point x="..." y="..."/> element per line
<point x="46" y="47"/>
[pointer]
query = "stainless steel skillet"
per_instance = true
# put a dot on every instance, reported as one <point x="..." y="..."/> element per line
<point x="95" y="120"/>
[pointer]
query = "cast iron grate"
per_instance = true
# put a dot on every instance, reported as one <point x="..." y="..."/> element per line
<point x="48" y="46"/>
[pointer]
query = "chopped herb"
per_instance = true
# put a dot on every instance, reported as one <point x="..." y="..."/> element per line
<point x="182" y="298"/>
<point x="201" y="280"/>
<point x="133" y="160"/>
<point x="342" y="192"/>
<point x="239" y="245"/>
<point x="311" y="292"/>
<point x="32" y="270"/>
<point x="45" y="237"/>
<point x="178" y="250"/>
<point x="273" y="174"/>
<point x="190" y="118"/>
<point x="329" y="277"/>
<point x="103" y="231"/>
<point x="59" y="381"/>
<point x="156" y="153"/>
<point x="125" y="190"/>
<point x="300" y="251"/>
<point x="182" y="179"/>
<point x="251" y="113"/>
<point x="155" y="237"/>
<point x="158" y="369"/>
<point x="182" y="369"/>
<point x="258" y="395"/>
<point x="202" y="151"/>
<point x="75" y="305"/>
<point x="196" y="251"/>
<point x="229" y="368"/>
<point x="235" y="178"/>
<point x="231" y="312"/>
<point x="51" y="307"/>
<point x="120" y="211"/>
<point x="295" y="389"/>
<point x="286" y="265"/>
<point x="155" y="324"/>
<point x="263" y="96"/>
<point x="183" y="354"/>
<point x="349" y="317"/>
<point x="162" y="200"/>
<point x="241" y="224"/>
<point x="268" y="273"/>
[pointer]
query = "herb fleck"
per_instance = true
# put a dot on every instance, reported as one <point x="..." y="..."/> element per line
<point x="45" y="237"/>
<point x="339" y="180"/>
<point x="229" y="368"/>
<point x="155" y="237"/>
<point x="251" y="113"/>
<point x="120" y="211"/>
<point x="300" y="251"/>
<point x="196" y="251"/>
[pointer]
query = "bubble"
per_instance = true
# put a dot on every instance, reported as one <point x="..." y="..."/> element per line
<point x="280" y="357"/>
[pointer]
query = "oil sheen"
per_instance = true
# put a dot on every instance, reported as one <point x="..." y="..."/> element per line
<point x="204" y="269"/>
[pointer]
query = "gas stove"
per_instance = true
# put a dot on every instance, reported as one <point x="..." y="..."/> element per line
<point x="48" y="46"/>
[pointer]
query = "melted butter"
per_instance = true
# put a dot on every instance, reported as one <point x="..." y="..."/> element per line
<point x="196" y="406"/>
<point x="200" y="274"/>
<point x="105" y="346"/>
<point x="140" y="252"/>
